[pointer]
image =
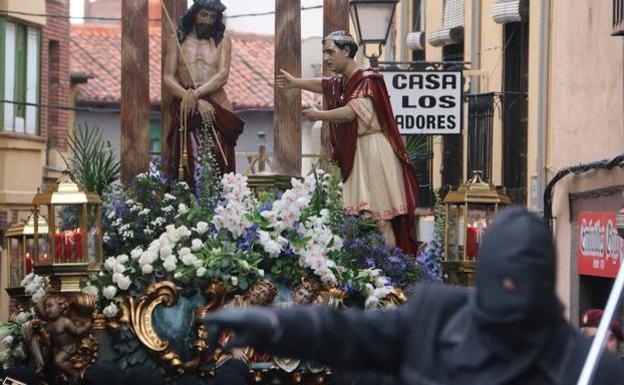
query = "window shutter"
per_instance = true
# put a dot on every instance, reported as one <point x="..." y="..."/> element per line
<point x="9" y="76"/>
<point x="32" y="80"/>
<point x="452" y="31"/>
<point x="508" y="11"/>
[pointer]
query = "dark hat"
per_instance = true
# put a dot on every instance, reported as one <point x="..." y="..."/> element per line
<point x="214" y="5"/>
<point x="592" y="317"/>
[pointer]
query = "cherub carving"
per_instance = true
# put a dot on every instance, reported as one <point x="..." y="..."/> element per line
<point x="59" y="332"/>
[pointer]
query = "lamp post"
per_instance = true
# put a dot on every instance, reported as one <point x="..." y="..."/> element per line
<point x="372" y="20"/>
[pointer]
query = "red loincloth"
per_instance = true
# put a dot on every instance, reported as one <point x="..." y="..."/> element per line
<point x="228" y="127"/>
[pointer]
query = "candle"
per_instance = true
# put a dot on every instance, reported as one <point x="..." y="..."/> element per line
<point x="28" y="264"/>
<point x="68" y="246"/>
<point x="58" y="246"/>
<point x="472" y="243"/>
<point x="78" y="244"/>
<point x="45" y="259"/>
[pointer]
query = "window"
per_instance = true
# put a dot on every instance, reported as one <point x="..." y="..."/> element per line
<point x="155" y="132"/>
<point x="420" y="149"/>
<point x="418" y="23"/>
<point x="480" y="123"/>
<point x="453" y="145"/>
<point x="20" y="59"/>
<point x="618" y="17"/>
<point x="515" y="110"/>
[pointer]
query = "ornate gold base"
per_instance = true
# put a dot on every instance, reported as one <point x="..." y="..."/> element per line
<point x="66" y="277"/>
<point x="460" y="273"/>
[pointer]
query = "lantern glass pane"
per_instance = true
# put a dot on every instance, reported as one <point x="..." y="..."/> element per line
<point x="93" y="244"/>
<point x="479" y="218"/>
<point x="67" y="235"/>
<point x="16" y="267"/>
<point x="455" y="233"/>
<point x="374" y="21"/>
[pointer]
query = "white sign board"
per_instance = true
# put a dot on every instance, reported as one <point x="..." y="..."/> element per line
<point x="426" y="102"/>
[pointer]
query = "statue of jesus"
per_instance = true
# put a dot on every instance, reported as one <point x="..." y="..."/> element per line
<point x="196" y="70"/>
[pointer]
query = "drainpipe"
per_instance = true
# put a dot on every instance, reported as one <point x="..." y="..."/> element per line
<point x="475" y="44"/>
<point x="542" y="102"/>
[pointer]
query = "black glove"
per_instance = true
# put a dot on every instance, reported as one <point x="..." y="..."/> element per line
<point x="254" y="327"/>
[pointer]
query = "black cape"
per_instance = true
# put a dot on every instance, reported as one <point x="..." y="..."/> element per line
<point x="508" y="331"/>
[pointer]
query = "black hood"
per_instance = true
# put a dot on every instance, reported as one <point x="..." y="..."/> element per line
<point x="515" y="280"/>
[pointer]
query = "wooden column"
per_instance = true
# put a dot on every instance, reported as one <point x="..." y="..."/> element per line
<point x="287" y="110"/>
<point x="176" y="9"/>
<point x="134" y="89"/>
<point x="335" y="18"/>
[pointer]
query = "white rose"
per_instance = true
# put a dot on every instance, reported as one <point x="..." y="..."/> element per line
<point x="147" y="269"/>
<point x="123" y="258"/>
<point x="22" y="317"/>
<point x="261" y="272"/>
<point x="184" y="251"/>
<point x="109" y="291"/>
<point x="91" y="290"/>
<point x="111" y="310"/>
<point x="201" y="271"/>
<point x="166" y="251"/>
<point x="7" y="341"/>
<point x="170" y="264"/>
<point x="124" y="282"/>
<point x="201" y="227"/>
<point x="119" y="268"/>
<point x="234" y="280"/>
<point x="109" y="263"/>
<point x="183" y="231"/>
<point x="136" y="253"/>
<point x="189" y="259"/>
<point x="18" y="352"/>
<point x="196" y="244"/>
<point x="182" y="209"/>
<point x="38" y="296"/>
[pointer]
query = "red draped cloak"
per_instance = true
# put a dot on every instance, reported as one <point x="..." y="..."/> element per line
<point x="337" y="92"/>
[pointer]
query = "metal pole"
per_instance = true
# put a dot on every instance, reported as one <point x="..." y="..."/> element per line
<point x="595" y="352"/>
<point x="542" y="103"/>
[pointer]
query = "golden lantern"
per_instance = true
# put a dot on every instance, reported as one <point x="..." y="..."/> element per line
<point x="469" y="210"/>
<point x="74" y="232"/>
<point x="20" y="248"/>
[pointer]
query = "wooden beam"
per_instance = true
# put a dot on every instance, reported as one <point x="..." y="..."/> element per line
<point x="134" y="89"/>
<point x="287" y="110"/>
<point x="176" y="9"/>
<point x="335" y="18"/>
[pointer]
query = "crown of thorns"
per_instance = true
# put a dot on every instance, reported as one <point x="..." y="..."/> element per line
<point x="214" y="5"/>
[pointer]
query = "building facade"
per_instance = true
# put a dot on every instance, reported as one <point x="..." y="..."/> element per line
<point x="543" y="93"/>
<point x="34" y="58"/>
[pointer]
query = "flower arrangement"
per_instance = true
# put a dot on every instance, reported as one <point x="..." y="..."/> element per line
<point x="12" y="345"/>
<point x="293" y="234"/>
<point x="35" y="286"/>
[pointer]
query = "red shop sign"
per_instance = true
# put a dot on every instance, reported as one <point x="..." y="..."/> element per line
<point x="599" y="245"/>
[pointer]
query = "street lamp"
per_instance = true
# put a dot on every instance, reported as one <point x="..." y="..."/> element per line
<point x="372" y="20"/>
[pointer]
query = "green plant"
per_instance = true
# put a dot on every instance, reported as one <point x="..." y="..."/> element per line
<point x="417" y="147"/>
<point x="92" y="160"/>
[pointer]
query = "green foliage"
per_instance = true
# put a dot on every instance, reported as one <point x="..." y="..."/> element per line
<point x="417" y="147"/>
<point x="92" y="161"/>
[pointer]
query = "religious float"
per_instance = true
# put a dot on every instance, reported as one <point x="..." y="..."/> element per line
<point x="122" y="272"/>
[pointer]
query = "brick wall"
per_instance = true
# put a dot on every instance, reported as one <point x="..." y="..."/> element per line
<point x="55" y="74"/>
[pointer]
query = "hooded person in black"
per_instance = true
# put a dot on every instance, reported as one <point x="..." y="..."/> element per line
<point x="508" y="331"/>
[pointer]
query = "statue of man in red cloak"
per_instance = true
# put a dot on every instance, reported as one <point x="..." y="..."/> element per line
<point x="379" y="180"/>
<point x="196" y="70"/>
